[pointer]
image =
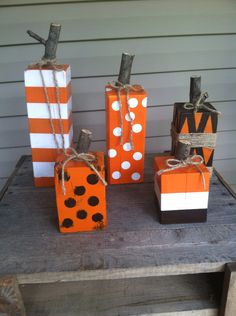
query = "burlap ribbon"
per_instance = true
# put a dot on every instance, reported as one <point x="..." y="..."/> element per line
<point x="174" y="164"/>
<point x="127" y="87"/>
<point x="207" y="140"/>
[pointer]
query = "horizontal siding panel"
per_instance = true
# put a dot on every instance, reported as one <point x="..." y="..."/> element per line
<point x="103" y="58"/>
<point x="9" y="158"/>
<point x="83" y="21"/>
<point x="163" y="89"/>
<point x="14" y="130"/>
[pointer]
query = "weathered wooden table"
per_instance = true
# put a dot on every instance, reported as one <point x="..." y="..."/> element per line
<point x="136" y="267"/>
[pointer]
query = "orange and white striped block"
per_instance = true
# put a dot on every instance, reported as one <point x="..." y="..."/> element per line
<point x="44" y="147"/>
<point x="181" y="192"/>
<point x="124" y="164"/>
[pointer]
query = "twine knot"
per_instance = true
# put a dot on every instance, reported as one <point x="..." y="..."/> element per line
<point x="89" y="159"/>
<point x="174" y="164"/>
<point x="200" y="104"/>
<point x="119" y="86"/>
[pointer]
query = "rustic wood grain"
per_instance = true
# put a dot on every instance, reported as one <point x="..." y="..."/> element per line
<point x="228" y="302"/>
<point x="138" y="296"/>
<point x="134" y="244"/>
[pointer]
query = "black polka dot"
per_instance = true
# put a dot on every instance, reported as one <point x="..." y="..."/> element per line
<point x="70" y="202"/>
<point x="66" y="176"/>
<point x="79" y="190"/>
<point x="81" y="214"/>
<point x="92" y="179"/>
<point x="93" y="201"/>
<point x="98" y="217"/>
<point x="67" y="222"/>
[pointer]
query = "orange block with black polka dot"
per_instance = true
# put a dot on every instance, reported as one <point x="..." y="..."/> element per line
<point x="124" y="164"/>
<point x="83" y="207"/>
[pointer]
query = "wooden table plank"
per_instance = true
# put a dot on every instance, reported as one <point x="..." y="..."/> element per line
<point x="135" y="243"/>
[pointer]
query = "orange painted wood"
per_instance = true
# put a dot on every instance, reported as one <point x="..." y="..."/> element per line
<point x="44" y="182"/>
<point x="83" y="208"/>
<point x="37" y="95"/>
<point x="43" y="125"/>
<point x="187" y="179"/>
<point x="121" y="165"/>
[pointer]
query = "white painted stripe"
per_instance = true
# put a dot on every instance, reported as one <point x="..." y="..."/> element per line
<point x="181" y="201"/>
<point x="33" y="78"/>
<point x="40" y="110"/>
<point x="40" y="140"/>
<point x="43" y="169"/>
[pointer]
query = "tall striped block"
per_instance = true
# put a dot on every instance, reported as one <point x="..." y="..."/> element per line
<point x="42" y="140"/>
<point x="124" y="164"/>
<point x="188" y="122"/>
<point x="181" y="194"/>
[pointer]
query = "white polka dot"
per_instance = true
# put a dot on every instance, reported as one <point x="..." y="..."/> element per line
<point x="133" y="102"/>
<point x="116" y="175"/>
<point x="137" y="128"/>
<point x="127" y="147"/>
<point x="112" y="153"/>
<point x="108" y="89"/>
<point x="144" y="102"/>
<point x="125" y="165"/>
<point x="117" y="131"/>
<point x="127" y="117"/>
<point x="137" y="155"/>
<point x="135" y="176"/>
<point x="115" y="105"/>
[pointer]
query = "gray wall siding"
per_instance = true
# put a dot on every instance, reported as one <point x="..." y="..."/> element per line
<point x="172" y="40"/>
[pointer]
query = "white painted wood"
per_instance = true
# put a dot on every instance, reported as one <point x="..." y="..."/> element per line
<point x="139" y="18"/>
<point x="182" y="200"/>
<point x="43" y="169"/>
<point x="33" y="78"/>
<point x="39" y="140"/>
<point x="40" y="110"/>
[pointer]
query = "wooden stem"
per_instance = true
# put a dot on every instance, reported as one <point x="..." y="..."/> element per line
<point x="182" y="150"/>
<point x="51" y="43"/>
<point x="125" y="68"/>
<point x="195" y="89"/>
<point x="85" y="138"/>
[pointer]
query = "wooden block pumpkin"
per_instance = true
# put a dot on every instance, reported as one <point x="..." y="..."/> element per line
<point x="44" y="149"/>
<point x="181" y="194"/>
<point x="83" y="207"/>
<point x="125" y="128"/>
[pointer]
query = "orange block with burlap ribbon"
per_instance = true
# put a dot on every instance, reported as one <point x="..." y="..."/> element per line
<point x="125" y="131"/>
<point x="81" y="204"/>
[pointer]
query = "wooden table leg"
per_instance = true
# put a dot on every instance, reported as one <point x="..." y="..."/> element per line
<point x="228" y="301"/>
<point x="11" y="303"/>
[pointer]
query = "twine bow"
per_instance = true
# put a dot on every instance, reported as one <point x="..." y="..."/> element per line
<point x="127" y="87"/>
<point x="89" y="159"/>
<point x="200" y="104"/>
<point x="174" y="164"/>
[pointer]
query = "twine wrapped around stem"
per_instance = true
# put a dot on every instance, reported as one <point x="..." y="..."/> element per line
<point x="127" y="87"/>
<point x="88" y="158"/>
<point x="174" y="164"/>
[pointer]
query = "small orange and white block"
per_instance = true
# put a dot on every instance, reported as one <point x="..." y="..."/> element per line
<point x="181" y="193"/>
<point x="124" y="164"/>
<point x="44" y="147"/>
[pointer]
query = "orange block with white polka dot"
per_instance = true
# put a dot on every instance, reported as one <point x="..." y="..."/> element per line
<point x="124" y="164"/>
<point x="83" y="207"/>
